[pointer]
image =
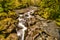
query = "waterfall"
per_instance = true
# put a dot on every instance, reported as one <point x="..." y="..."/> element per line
<point x="21" y="25"/>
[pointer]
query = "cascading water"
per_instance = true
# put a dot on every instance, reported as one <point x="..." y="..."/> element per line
<point x="21" y="25"/>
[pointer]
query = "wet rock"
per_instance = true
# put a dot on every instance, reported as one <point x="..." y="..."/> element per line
<point x="28" y="9"/>
<point x="48" y="26"/>
<point x="51" y="29"/>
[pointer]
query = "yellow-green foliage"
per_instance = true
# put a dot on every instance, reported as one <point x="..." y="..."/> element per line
<point x="2" y="37"/>
<point x="10" y="4"/>
<point x="49" y="9"/>
<point x="12" y="14"/>
<point x="49" y="6"/>
<point x="58" y="21"/>
<point x="3" y="15"/>
<point x="1" y="9"/>
<point x="4" y="24"/>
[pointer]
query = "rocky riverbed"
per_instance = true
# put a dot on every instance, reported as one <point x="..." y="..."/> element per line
<point x="26" y="24"/>
<point x="38" y="28"/>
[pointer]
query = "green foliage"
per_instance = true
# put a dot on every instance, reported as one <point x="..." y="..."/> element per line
<point x="49" y="6"/>
<point x="1" y="9"/>
<point x="12" y="14"/>
<point x="3" y="15"/>
<point x="10" y="4"/>
<point x="49" y="9"/>
<point x="6" y="23"/>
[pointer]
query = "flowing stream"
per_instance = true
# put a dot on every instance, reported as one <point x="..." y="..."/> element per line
<point x="21" y="25"/>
